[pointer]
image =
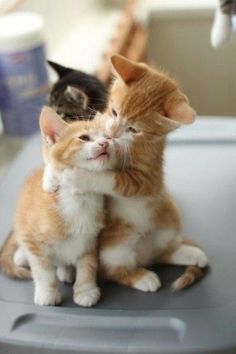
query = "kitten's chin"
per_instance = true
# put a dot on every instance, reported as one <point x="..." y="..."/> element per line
<point x="97" y="165"/>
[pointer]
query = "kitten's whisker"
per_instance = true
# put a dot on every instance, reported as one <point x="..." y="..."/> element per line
<point x="92" y="110"/>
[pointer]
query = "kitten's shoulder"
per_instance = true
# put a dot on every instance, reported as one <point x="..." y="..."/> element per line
<point x="35" y="177"/>
<point x="34" y="185"/>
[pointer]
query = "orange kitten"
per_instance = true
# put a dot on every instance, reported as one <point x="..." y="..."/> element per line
<point x="144" y="225"/>
<point x="60" y="229"/>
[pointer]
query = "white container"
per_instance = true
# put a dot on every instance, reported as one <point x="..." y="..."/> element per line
<point x="23" y="73"/>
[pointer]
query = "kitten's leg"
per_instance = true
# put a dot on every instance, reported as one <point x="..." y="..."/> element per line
<point x="169" y="242"/>
<point x="185" y="254"/>
<point x="118" y="260"/>
<point x="138" y="278"/>
<point x="66" y="274"/>
<point x="188" y="255"/>
<point x="50" y="179"/>
<point x="46" y="284"/>
<point x="86" y="291"/>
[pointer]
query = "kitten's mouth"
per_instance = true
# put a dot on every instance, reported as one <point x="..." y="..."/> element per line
<point x="101" y="156"/>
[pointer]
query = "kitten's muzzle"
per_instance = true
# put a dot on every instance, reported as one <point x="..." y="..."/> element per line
<point x="103" y="151"/>
<point x="104" y="143"/>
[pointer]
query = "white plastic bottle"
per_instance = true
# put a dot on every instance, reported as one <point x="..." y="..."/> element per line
<point x="23" y="73"/>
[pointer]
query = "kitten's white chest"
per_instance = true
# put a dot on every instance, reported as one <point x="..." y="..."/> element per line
<point x="135" y="211"/>
<point x="81" y="215"/>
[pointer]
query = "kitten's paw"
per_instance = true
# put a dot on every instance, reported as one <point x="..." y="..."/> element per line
<point x="149" y="282"/>
<point x="47" y="297"/>
<point x="190" y="256"/>
<point x="88" y="297"/>
<point x="50" y="186"/>
<point x="199" y="258"/>
<point x="66" y="274"/>
<point x="20" y="258"/>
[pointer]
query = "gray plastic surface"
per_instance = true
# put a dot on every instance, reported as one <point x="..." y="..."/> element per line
<point x="201" y="173"/>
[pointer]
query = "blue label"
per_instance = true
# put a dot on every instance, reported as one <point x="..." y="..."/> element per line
<point x="23" y="90"/>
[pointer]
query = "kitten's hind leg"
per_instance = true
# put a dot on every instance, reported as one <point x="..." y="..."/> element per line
<point x="188" y="255"/>
<point x="86" y="291"/>
<point x="46" y="284"/>
<point x="66" y="274"/>
<point x="118" y="263"/>
<point x="185" y="254"/>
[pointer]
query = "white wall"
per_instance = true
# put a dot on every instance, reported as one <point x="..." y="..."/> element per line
<point x="181" y="44"/>
<point x="77" y="31"/>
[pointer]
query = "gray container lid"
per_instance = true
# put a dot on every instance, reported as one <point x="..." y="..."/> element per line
<point x="201" y="174"/>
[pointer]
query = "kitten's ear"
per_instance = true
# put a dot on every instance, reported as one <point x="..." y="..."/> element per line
<point x="173" y="118"/>
<point x="128" y="70"/>
<point x="181" y="113"/>
<point x="60" y="69"/>
<point x="77" y="95"/>
<point x="53" y="128"/>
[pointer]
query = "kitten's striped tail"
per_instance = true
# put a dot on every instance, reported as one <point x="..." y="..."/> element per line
<point x="7" y="264"/>
<point x="191" y="275"/>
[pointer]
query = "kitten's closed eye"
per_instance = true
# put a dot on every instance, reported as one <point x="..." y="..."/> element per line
<point x="85" y="137"/>
<point x="114" y="113"/>
<point x="132" y="130"/>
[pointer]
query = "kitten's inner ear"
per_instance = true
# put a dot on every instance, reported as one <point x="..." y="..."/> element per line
<point x="182" y="113"/>
<point x="77" y="95"/>
<point x="128" y="70"/>
<point x="53" y="128"/>
<point x="174" y="117"/>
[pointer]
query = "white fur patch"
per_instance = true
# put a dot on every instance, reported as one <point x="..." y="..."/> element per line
<point x="189" y="255"/>
<point x="65" y="274"/>
<point x="135" y="211"/>
<point x="46" y="286"/>
<point x="88" y="297"/>
<point x="150" y="282"/>
<point x="164" y="237"/>
<point x="119" y="255"/>
<point x="45" y="296"/>
<point x="20" y="258"/>
<point x="50" y="179"/>
<point x="80" y="211"/>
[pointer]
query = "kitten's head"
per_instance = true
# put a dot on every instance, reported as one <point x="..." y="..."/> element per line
<point x="81" y="144"/>
<point x="70" y="102"/>
<point x="145" y="104"/>
<point x="76" y="95"/>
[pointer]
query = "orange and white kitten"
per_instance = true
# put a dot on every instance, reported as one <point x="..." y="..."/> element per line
<point x="55" y="230"/>
<point x="144" y="225"/>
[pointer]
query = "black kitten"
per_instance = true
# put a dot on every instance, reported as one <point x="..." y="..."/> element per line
<point x="76" y="95"/>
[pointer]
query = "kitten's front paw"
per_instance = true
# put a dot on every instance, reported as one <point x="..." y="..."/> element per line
<point x="88" y="297"/>
<point x="149" y="282"/>
<point x="51" y="185"/>
<point x="198" y="258"/>
<point x="47" y="297"/>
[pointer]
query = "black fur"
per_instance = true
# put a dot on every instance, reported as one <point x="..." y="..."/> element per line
<point x="76" y="95"/>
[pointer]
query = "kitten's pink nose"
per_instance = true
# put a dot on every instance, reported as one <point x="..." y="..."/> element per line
<point x="104" y="143"/>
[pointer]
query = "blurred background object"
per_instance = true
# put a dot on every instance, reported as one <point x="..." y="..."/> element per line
<point x="23" y="73"/>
